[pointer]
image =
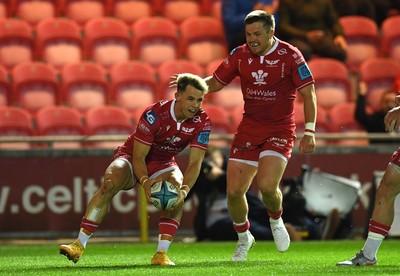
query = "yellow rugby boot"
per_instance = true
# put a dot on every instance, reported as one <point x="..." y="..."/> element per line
<point x="72" y="251"/>
<point x="161" y="258"/>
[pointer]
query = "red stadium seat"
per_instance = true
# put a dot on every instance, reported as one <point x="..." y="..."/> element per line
<point x="82" y="11"/>
<point x="131" y="10"/>
<point x="332" y="85"/>
<point x="15" y="121"/>
<point x="108" y="120"/>
<point x="16" y="42"/>
<point x="379" y="75"/>
<point x="173" y="9"/>
<point x="133" y="85"/>
<point x="5" y="89"/>
<point x="84" y="85"/>
<point x="5" y="9"/>
<point x="220" y="122"/>
<point x="60" y="121"/>
<point x="59" y="41"/>
<point x="107" y="41"/>
<point x="34" y="11"/>
<point x="362" y="36"/>
<point x="35" y="85"/>
<point x="155" y="40"/>
<point x="342" y="120"/>
<point x="171" y="67"/>
<point x="203" y="39"/>
<point x="390" y="35"/>
<point x="220" y="119"/>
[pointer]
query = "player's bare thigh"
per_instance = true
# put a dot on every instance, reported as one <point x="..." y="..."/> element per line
<point x="239" y="176"/>
<point x="270" y="172"/>
<point x="390" y="183"/>
<point x="120" y="174"/>
<point x="171" y="174"/>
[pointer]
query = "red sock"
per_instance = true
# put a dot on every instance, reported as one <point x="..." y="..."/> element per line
<point x="168" y="226"/>
<point x="89" y="226"/>
<point x="379" y="228"/>
<point x="275" y="215"/>
<point x="240" y="228"/>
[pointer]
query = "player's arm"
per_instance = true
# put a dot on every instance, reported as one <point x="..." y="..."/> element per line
<point x="196" y="157"/>
<point x="213" y="84"/>
<point x="140" y="152"/>
<point x="307" y="142"/>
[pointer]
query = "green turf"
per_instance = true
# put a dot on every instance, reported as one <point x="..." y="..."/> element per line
<point x="303" y="258"/>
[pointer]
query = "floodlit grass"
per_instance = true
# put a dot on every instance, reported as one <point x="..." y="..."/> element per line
<point x="303" y="258"/>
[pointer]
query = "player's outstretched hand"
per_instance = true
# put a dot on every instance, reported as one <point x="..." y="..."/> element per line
<point x="307" y="144"/>
<point x="173" y="80"/>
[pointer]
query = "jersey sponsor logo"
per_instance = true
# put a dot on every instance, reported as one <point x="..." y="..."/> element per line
<point x="203" y="137"/>
<point x="167" y="148"/>
<point x="196" y="119"/>
<point x="304" y="72"/>
<point x="150" y="117"/>
<point x="259" y="76"/>
<point x="143" y="127"/>
<point x="271" y="62"/>
<point x="188" y="130"/>
<point x="282" y="52"/>
<point x="260" y="95"/>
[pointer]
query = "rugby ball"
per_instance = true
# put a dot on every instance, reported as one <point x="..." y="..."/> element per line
<point x="163" y="195"/>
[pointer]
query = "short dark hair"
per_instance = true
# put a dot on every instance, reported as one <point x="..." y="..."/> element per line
<point x="267" y="19"/>
<point x="186" y="79"/>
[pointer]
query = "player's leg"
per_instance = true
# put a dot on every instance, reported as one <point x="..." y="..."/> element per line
<point x="239" y="177"/>
<point x="169" y="221"/>
<point x="270" y="171"/>
<point x="381" y="220"/>
<point x="118" y="176"/>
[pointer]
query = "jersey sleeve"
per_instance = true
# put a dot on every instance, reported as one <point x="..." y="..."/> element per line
<point x="147" y="126"/>
<point x="228" y="69"/>
<point x="301" y="74"/>
<point x="200" y="140"/>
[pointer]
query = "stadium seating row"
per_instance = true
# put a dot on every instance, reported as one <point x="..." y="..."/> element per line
<point x="333" y="83"/>
<point x="135" y="84"/>
<point x="129" y="84"/>
<point x="58" y="120"/>
<point x="64" y="121"/>
<point x="128" y="10"/>
<point x="365" y="40"/>
<point x="106" y="40"/>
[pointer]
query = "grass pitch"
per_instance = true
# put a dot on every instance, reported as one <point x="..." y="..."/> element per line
<point x="206" y="258"/>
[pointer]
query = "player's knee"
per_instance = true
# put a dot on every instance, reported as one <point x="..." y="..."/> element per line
<point x="114" y="181"/>
<point x="268" y="190"/>
<point x="235" y="193"/>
